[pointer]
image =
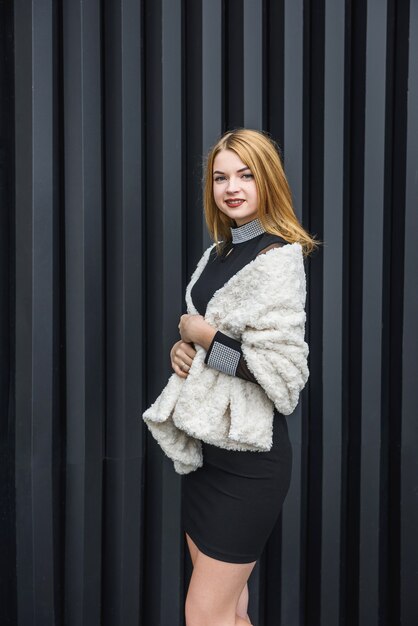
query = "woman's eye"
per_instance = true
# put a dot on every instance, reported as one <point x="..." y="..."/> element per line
<point x="220" y="178"/>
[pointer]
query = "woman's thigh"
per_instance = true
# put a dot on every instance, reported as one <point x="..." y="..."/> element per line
<point x="214" y="590"/>
<point x="193" y="549"/>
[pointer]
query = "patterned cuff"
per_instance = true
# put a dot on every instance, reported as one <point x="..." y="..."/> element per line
<point x="224" y="353"/>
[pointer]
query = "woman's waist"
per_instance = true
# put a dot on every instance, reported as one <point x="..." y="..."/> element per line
<point x="280" y="439"/>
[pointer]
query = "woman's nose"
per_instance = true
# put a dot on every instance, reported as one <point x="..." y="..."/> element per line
<point x="232" y="185"/>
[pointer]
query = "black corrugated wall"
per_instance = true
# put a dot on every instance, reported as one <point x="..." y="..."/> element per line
<point x="106" y="110"/>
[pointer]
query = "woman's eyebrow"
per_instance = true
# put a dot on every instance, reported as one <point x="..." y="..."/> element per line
<point x="241" y="170"/>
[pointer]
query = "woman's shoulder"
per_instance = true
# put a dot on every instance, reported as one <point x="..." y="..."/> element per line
<point x="268" y="239"/>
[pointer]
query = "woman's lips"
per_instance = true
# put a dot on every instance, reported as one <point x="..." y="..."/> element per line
<point x="234" y="203"/>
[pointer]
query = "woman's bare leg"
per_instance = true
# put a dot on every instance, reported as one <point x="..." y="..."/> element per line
<point x="242" y="606"/>
<point x="241" y="616"/>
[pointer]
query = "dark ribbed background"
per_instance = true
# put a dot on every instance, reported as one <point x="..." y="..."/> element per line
<point x="106" y="110"/>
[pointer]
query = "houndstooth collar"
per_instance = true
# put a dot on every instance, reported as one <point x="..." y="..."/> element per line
<point x="247" y="231"/>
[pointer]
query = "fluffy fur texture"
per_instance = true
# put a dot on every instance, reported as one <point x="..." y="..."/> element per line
<point x="262" y="305"/>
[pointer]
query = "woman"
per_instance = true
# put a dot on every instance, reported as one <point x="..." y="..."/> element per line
<point x="231" y="503"/>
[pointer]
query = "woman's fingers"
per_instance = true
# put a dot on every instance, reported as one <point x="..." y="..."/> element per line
<point x="176" y="364"/>
<point x="185" y="357"/>
<point x="179" y="371"/>
<point x="182" y="358"/>
<point x="188" y="349"/>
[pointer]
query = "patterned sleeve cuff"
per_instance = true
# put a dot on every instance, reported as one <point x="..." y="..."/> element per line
<point x="224" y="353"/>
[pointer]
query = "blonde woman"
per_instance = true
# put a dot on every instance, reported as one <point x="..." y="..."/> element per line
<point x="231" y="503"/>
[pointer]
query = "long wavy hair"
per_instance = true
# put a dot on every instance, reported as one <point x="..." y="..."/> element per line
<point x="258" y="151"/>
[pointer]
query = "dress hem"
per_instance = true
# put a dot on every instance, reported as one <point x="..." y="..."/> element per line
<point x="220" y="556"/>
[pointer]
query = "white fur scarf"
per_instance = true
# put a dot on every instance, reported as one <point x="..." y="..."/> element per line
<point x="262" y="305"/>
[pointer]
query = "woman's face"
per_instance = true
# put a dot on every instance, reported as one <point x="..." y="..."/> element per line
<point x="234" y="188"/>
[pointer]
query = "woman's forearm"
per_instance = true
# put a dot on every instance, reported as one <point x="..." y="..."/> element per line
<point x="204" y="335"/>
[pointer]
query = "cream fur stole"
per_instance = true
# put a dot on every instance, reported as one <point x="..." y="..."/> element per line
<point x="262" y="305"/>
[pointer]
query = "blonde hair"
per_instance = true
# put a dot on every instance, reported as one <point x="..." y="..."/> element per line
<point x="275" y="208"/>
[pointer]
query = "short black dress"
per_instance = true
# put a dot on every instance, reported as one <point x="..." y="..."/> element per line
<point x="231" y="503"/>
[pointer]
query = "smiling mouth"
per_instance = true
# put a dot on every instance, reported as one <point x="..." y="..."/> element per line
<point x="234" y="203"/>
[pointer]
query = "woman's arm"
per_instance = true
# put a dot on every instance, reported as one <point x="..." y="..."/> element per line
<point x="205" y="335"/>
<point x="224" y="353"/>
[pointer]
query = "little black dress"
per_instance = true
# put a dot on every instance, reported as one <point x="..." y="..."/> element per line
<point x="231" y="503"/>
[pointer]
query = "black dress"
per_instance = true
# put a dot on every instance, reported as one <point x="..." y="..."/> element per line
<point x="231" y="504"/>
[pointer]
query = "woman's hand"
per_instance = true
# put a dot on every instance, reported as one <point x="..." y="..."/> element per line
<point x="182" y="355"/>
<point x="189" y="326"/>
<point x="194" y="328"/>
